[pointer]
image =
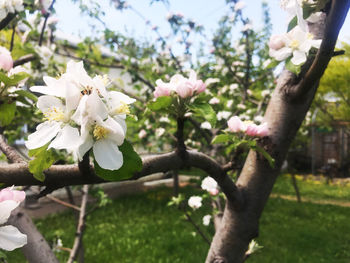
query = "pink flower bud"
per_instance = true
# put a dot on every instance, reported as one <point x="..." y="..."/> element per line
<point x="199" y="86"/>
<point x="6" y="62"/>
<point x="276" y="42"/>
<point x="9" y="194"/>
<point x="257" y="130"/>
<point x="235" y="124"/>
<point x="185" y="89"/>
<point x="162" y="89"/>
<point x="252" y="129"/>
<point x="263" y="130"/>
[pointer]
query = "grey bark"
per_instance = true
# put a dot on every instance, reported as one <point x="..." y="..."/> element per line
<point x="285" y="113"/>
<point x="37" y="249"/>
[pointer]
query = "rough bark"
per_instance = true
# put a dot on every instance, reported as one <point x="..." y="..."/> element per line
<point x="285" y="113"/>
<point x="37" y="250"/>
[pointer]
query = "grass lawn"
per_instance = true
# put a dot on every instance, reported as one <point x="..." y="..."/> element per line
<point x="141" y="228"/>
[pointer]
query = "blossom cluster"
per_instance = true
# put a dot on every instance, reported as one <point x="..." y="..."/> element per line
<point x="235" y="124"/>
<point x="297" y="42"/>
<point x="184" y="87"/>
<point x="10" y="6"/>
<point x="10" y="237"/>
<point x="80" y="113"/>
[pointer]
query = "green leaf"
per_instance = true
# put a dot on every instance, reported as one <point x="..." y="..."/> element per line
<point x="307" y="11"/>
<point x="132" y="163"/>
<point x="28" y="94"/>
<point x="160" y="103"/>
<point x="222" y="138"/>
<point x="7" y="113"/>
<point x="204" y="110"/>
<point x="272" y="64"/>
<point x="43" y="159"/>
<point x="14" y="79"/>
<point x="293" y="23"/>
<point x="293" y="68"/>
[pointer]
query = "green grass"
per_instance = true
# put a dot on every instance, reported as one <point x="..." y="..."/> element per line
<point x="312" y="189"/>
<point x="142" y="228"/>
<point x="137" y="228"/>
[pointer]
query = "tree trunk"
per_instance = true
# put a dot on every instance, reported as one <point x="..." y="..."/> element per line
<point x="288" y="106"/>
<point x="37" y="250"/>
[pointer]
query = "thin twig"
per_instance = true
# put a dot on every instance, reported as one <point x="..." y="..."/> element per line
<point x="12" y="38"/>
<point x="199" y="231"/>
<point x="81" y="226"/>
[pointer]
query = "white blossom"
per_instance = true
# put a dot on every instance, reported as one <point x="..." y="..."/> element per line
<point x="206" y="220"/>
<point x="206" y="125"/>
<point x="223" y="115"/>
<point x="210" y="185"/>
<point x="195" y="202"/>
<point x="214" y="100"/>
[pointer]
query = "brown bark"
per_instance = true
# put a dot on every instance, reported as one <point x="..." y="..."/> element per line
<point x="285" y="113"/>
<point x="37" y="250"/>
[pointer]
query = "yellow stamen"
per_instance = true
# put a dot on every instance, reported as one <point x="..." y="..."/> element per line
<point x="123" y="108"/>
<point x="54" y="114"/>
<point x="294" y="44"/>
<point x="310" y="36"/>
<point x="100" y="132"/>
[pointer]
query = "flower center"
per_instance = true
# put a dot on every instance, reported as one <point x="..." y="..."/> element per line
<point x="100" y="132"/>
<point x="294" y="44"/>
<point x="86" y="90"/>
<point x="310" y="36"/>
<point x="123" y="108"/>
<point x="54" y="114"/>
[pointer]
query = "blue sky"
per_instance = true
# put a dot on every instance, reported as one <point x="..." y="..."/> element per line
<point x="205" y="12"/>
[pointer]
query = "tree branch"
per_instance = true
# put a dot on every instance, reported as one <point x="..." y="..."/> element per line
<point x="7" y="20"/>
<point x="37" y="249"/>
<point x="63" y="175"/>
<point x="81" y="226"/>
<point x="24" y="59"/>
<point x="334" y="22"/>
<point x="10" y="152"/>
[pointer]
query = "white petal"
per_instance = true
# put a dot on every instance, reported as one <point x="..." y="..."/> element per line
<point x="107" y="154"/>
<point x="11" y="238"/>
<point x="117" y="133"/>
<point x="118" y="96"/>
<point x="67" y="138"/>
<point x="96" y="106"/>
<point x="121" y="122"/>
<point x="46" y="101"/>
<point x="45" y="132"/>
<point x="72" y="95"/>
<point x="100" y="86"/>
<point x="85" y="144"/>
<point x="53" y="87"/>
<point x="280" y="54"/>
<point x="81" y="111"/>
<point x="298" y="58"/>
<point x="6" y="208"/>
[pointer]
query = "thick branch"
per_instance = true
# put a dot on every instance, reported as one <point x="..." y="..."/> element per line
<point x="10" y="152"/>
<point x="63" y="175"/>
<point x="37" y="249"/>
<point x="7" y="20"/>
<point x="334" y="22"/>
